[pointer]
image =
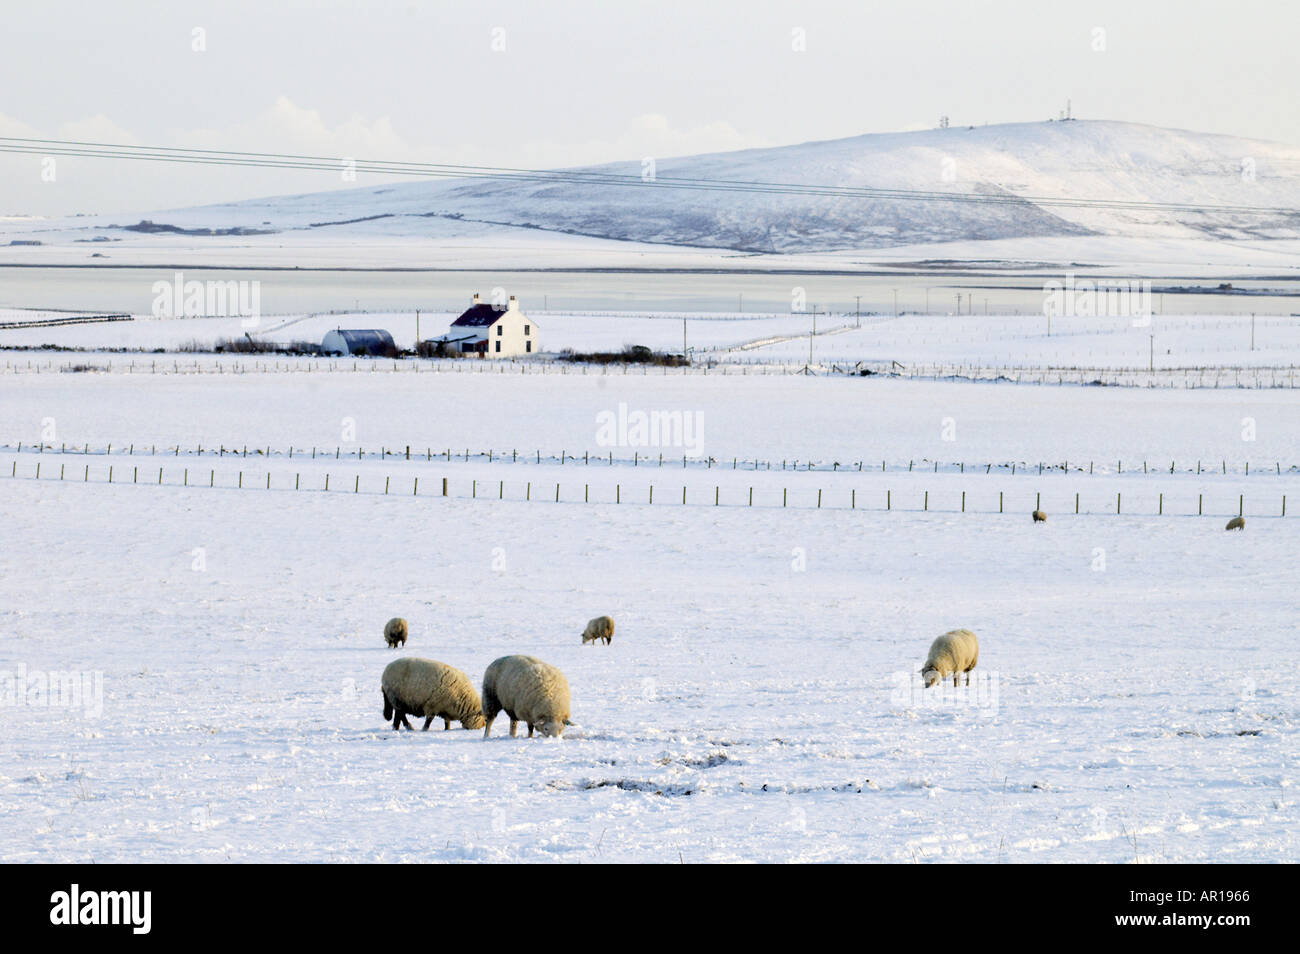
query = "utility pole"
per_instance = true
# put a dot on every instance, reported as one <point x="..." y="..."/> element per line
<point x="959" y="303"/>
<point x="1152" y="359"/>
<point x="927" y="301"/>
<point x="417" y="331"/>
<point x="857" y="309"/>
<point x="895" y="302"/>
<point x="1252" y="331"/>
<point x="740" y="303"/>
<point x="683" y="337"/>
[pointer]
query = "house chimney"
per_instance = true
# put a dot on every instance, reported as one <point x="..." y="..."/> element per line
<point x="476" y="300"/>
<point x="514" y="305"/>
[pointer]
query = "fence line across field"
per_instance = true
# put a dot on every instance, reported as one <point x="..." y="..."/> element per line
<point x="442" y="489"/>
<point x="1250" y="377"/>
<point x="564" y="458"/>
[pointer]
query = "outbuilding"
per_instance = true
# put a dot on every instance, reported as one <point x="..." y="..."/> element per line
<point x="371" y="342"/>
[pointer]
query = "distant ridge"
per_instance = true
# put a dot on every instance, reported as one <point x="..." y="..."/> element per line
<point x="1083" y="159"/>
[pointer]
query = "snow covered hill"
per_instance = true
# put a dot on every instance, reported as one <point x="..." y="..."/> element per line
<point x="1090" y="160"/>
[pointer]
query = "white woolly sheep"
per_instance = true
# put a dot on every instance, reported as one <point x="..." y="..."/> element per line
<point x="951" y="654"/>
<point x="530" y="691"/>
<point x="602" y="627"/>
<point x="1040" y="517"/>
<point x="426" y="687"/>
<point x="395" y="632"/>
<point x="1236" y="523"/>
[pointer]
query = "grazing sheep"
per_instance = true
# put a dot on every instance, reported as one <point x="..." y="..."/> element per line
<point x="425" y="687"/>
<point x="952" y="653"/>
<point x="1040" y="517"/>
<point x="1236" y="523"/>
<point x="530" y="691"/>
<point x="395" y="632"/>
<point x="602" y="627"/>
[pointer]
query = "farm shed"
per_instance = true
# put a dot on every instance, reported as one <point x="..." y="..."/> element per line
<point x="360" y="341"/>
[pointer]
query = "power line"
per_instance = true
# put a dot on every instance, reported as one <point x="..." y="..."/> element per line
<point x="233" y="158"/>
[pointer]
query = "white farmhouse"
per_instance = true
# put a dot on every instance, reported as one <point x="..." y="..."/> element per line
<point x="491" y="331"/>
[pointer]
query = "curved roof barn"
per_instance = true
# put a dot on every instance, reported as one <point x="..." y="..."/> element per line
<point x="374" y="342"/>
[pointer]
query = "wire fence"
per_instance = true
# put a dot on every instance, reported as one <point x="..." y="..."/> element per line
<point x="1214" y="377"/>
<point x="607" y="458"/>
<point x="443" y="487"/>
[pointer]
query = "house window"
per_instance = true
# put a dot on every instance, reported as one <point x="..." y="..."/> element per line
<point x="528" y="346"/>
<point x="498" y="346"/>
<point x="528" y="329"/>
<point x="500" y="329"/>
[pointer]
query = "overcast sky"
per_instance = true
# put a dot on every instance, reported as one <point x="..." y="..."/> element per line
<point x="583" y="82"/>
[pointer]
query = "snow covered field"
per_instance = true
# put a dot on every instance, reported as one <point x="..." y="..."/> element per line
<point x="1133" y="699"/>
<point x="747" y="709"/>
<point x="585" y="332"/>
<point x="821" y="419"/>
<point x="1268" y="344"/>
